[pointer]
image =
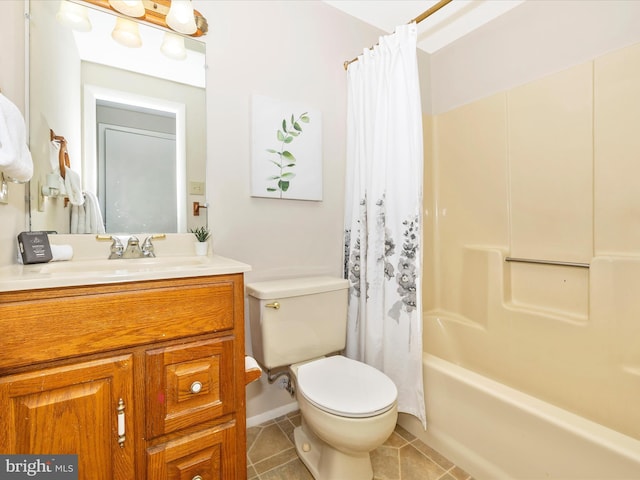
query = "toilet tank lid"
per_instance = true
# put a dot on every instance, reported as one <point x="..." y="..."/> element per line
<point x="294" y="287"/>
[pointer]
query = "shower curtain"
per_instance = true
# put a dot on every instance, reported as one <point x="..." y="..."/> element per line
<point x="383" y="214"/>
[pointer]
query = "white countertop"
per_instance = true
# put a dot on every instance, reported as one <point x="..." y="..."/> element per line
<point x="93" y="272"/>
<point x="90" y="266"/>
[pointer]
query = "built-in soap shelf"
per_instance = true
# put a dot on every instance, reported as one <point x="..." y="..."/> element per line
<point x="557" y="290"/>
<point x="490" y="287"/>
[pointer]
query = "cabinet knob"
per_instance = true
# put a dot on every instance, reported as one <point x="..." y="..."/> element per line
<point x="195" y="388"/>
<point x="197" y="477"/>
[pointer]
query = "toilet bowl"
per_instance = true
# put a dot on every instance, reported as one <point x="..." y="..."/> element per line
<point x="348" y="408"/>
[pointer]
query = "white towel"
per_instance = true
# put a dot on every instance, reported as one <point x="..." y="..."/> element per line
<point x="73" y="187"/>
<point x="73" y="228"/>
<point x="54" y="156"/>
<point x="15" y="158"/>
<point x="93" y="215"/>
<point x="81" y="219"/>
<point x="61" y="252"/>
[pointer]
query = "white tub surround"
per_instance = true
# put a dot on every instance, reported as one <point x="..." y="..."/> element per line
<point x="494" y="431"/>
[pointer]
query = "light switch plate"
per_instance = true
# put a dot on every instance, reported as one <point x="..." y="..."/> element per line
<point x="4" y="192"/>
<point x="196" y="188"/>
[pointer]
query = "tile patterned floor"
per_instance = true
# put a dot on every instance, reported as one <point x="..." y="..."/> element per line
<point x="271" y="455"/>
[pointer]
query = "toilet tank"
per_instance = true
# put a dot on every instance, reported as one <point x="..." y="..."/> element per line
<point x="297" y="319"/>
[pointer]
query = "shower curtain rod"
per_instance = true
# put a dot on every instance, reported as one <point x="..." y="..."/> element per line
<point x="418" y="19"/>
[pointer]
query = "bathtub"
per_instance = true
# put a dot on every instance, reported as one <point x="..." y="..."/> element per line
<point x="496" y="432"/>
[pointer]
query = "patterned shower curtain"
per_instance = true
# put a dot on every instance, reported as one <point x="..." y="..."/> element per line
<point x="383" y="214"/>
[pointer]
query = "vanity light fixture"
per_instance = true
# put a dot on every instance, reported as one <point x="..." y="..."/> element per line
<point x="180" y="17"/>
<point x="131" y="8"/>
<point x="173" y="46"/>
<point x="126" y="33"/>
<point x="176" y="15"/>
<point x="74" y="16"/>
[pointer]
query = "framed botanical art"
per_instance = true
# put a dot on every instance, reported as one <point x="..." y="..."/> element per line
<point x="286" y="150"/>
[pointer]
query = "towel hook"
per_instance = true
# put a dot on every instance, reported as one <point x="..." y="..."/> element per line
<point x="63" y="156"/>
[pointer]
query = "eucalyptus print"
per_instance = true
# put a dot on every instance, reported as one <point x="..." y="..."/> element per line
<point x="283" y="159"/>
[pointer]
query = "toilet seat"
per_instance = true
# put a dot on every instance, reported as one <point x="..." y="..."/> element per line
<point x="346" y="387"/>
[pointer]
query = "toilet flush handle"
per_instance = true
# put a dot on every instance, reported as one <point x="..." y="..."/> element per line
<point x="275" y="305"/>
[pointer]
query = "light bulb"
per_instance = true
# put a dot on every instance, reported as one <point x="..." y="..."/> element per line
<point x="180" y="17"/>
<point x="73" y="16"/>
<point x="173" y="46"/>
<point x="131" y="8"/>
<point x="126" y="33"/>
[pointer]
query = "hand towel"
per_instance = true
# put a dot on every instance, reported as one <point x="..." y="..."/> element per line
<point x="73" y="228"/>
<point x="73" y="187"/>
<point x="81" y="219"/>
<point x="15" y="158"/>
<point x="93" y="215"/>
<point x="54" y="154"/>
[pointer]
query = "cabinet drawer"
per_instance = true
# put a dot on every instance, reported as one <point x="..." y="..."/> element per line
<point x="209" y="454"/>
<point x="85" y="320"/>
<point x="189" y="384"/>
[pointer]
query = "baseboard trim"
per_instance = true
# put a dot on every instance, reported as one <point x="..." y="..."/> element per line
<point x="271" y="414"/>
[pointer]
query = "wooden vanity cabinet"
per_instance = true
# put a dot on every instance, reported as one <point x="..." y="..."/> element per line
<point x="140" y="380"/>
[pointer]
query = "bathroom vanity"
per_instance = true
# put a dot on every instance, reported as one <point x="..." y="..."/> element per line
<point x="142" y="375"/>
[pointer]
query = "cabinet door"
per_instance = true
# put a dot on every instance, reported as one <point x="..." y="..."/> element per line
<point x="209" y="454"/>
<point x="189" y="384"/>
<point x="73" y="409"/>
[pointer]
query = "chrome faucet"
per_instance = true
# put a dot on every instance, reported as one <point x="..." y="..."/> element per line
<point x="133" y="249"/>
<point x="117" y="249"/>
<point x="148" y="250"/>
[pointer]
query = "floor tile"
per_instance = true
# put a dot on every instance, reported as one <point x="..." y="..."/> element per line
<point x="293" y="470"/>
<point x="271" y="455"/>
<point x="385" y="462"/>
<point x="270" y="441"/>
<point x="415" y="466"/>
<point x="459" y="474"/>
<point x="273" y="461"/>
<point x="432" y="454"/>
<point x="395" y="440"/>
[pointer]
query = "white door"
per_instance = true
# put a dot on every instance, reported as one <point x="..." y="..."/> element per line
<point x="137" y="187"/>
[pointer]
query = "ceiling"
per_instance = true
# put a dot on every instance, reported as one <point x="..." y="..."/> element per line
<point x="451" y="22"/>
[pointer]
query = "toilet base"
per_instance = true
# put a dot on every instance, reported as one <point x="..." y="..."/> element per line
<point x="327" y="463"/>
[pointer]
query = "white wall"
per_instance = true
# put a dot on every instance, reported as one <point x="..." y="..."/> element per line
<point x="292" y="51"/>
<point x="283" y="50"/>
<point x="536" y="38"/>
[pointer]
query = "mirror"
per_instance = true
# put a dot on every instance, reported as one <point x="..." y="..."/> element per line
<point x="132" y="120"/>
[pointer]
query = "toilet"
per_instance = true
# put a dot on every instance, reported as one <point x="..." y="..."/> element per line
<point x="348" y="408"/>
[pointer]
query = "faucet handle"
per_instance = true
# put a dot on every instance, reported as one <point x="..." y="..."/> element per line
<point x="117" y="248"/>
<point x="147" y="245"/>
